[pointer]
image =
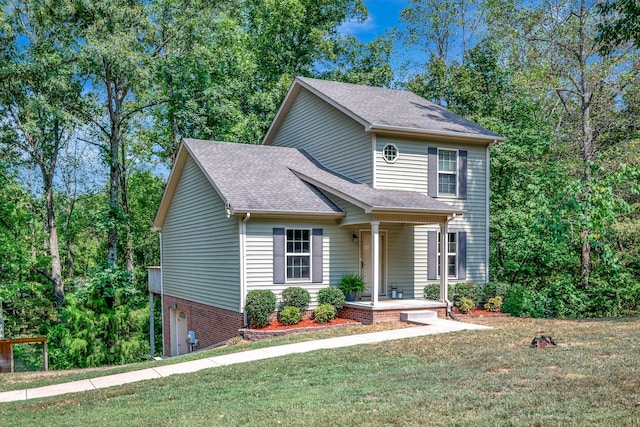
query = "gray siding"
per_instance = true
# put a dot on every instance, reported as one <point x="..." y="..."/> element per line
<point x="200" y="245"/>
<point x="334" y="139"/>
<point x="353" y="213"/>
<point x="410" y="172"/>
<point x="340" y="254"/>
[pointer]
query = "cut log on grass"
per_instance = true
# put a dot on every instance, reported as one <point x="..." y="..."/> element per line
<point x="542" y="341"/>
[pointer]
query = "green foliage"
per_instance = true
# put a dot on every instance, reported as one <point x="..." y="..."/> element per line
<point x="522" y="301"/>
<point x="494" y="304"/>
<point x="351" y="282"/>
<point x="465" y="305"/>
<point x="332" y="296"/>
<point x="290" y="315"/>
<point x="432" y="292"/>
<point x="566" y="300"/>
<point x="469" y="290"/>
<point x="325" y="313"/>
<point x="493" y="289"/>
<point x="105" y="323"/>
<point x="261" y="303"/>
<point x="295" y="296"/>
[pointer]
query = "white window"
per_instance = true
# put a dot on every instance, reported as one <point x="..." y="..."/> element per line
<point x="447" y="172"/>
<point x="390" y="153"/>
<point x="452" y="255"/>
<point x="298" y="254"/>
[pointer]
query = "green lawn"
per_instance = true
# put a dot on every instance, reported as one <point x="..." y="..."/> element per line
<point x="476" y="378"/>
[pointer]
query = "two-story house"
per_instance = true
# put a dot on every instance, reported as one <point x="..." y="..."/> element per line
<point x="349" y="179"/>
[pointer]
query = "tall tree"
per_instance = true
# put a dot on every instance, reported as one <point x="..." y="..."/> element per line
<point x="554" y="46"/>
<point x="40" y="79"/>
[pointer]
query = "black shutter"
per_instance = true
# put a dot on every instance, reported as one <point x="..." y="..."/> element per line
<point x="432" y="255"/>
<point x="462" y="174"/>
<point x="432" y="172"/>
<point x="316" y="257"/>
<point x="279" y="256"/>
<point x="462" y="255"/>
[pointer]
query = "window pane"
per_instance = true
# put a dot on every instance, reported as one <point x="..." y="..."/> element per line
<point x="298" y="267"/>
<point x="446" y="184"/>
<point x="451" y="272"/>
<point x="447" y="161"/>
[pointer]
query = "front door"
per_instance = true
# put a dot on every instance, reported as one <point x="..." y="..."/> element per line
<point x="365" y="262"/>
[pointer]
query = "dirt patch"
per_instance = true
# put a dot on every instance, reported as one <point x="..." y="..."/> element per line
<point x="480" y="313"/>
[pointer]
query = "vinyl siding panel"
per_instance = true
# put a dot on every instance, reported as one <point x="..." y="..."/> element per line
<point x="410" y="172"/>
<point x="332" y="138"/>
<point x="340" y="255"/>
<point x="200" y="245"/>
<point x="400" y="259"/>
<point x="353" y="214"/>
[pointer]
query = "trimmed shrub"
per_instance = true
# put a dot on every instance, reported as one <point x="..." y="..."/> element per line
<point x="469" y="290"/>
<point x="295" y="296"/>
<point x="259" y="306"/>
<point x="432" y="292"/>
<point x="494" y="304"/>
<point x="332" y="296"/>
<point x="290" y="315"/>
<point x="493" y="289"/>
<point x="465" y="305"/>
<point x="325" y="313"/>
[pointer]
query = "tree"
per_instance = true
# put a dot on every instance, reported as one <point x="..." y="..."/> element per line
<point x="555" y="48"/>
<point x="38" y="79"/>
<point x="621" y="23"/>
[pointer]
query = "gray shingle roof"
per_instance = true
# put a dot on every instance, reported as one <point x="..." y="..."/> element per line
<point x="394" y="109"/>
<point x="261" y="178"/>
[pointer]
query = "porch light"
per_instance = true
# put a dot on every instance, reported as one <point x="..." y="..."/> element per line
<point x="354" y="238"/>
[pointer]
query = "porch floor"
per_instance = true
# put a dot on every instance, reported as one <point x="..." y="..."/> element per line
<point x="397" y="304"/>
<point x="388" y="310"/>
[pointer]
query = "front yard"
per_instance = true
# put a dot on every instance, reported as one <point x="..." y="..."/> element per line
<point x="477" y="378"/>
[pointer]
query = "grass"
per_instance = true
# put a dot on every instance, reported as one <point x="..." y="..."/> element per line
<point x="479" y="378"/>
<point x="22" y="380"/>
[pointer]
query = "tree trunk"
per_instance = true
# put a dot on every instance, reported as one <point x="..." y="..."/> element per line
<point x="126" y="209"/>
<point x="587" y="147"/>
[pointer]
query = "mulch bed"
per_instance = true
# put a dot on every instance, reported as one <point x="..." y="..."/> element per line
<point x="276" y="329"/>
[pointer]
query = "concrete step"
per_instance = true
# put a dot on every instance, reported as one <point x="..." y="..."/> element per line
<point x="418" y="316"/>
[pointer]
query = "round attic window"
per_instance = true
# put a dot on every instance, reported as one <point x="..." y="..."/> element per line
<point x="390" y="153"/>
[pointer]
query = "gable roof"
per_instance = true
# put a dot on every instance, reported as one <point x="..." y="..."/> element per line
<point x="385" y="110"/>
<point x="280" y="180"/>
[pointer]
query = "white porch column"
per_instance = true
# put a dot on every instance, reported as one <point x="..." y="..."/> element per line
<point x="375" y="261"/>
<point x="444" y="285"/>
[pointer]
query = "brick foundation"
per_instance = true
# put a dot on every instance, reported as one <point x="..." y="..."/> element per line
<point x="369" y="317"/>
<point x="212" y="325"/>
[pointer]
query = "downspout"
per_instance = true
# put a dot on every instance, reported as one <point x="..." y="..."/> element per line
<point x="243" y="266"/>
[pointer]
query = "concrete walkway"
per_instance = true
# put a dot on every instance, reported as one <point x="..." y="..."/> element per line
<point x="434" y="326"/>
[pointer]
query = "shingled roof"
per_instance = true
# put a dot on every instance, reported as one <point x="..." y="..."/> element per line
<point x="281" y="180"/>
<point x="386" y="110"/>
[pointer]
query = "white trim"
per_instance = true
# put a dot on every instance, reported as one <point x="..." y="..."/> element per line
<point x="287" y="255"/>
<point x="384" y="149"/>
<point x="486" y="138"/>
<point x="374" y="149"/>
<point x="450" y="196"/>
<point x="375" y="261"/>
<point x="162" y="294"/>
<point x="242" y="222"/>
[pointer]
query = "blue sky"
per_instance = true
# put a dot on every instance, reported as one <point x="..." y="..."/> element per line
<point x="383" y="15"/>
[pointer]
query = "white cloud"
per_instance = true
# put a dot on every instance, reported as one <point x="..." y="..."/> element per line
<point x="354" y="26"/>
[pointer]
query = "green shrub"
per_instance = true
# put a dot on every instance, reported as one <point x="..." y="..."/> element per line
<point x="465" y="305"/>
<point x="325" y="313"/>
<point x="565" y="300"/>
<point x="296" y="297"/>
<point x="493" y="289"/>
<point x="331" y="295"/>
<point x="259" y="306"/>
<point x="469" y="290"/>
<point x="290" y="315"/>
<point x="432" y="292"/>
<point x="494" y="304"/>
<point x="524" y="302"/>
<point x="351" y="282"/>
